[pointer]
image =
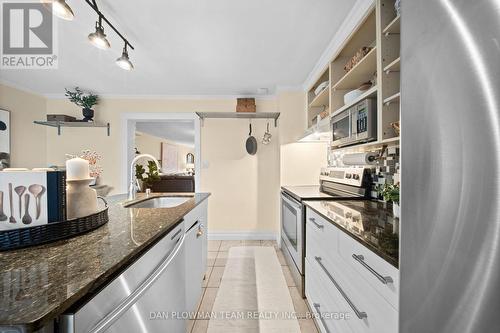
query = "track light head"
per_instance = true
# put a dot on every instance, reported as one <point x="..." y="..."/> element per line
<point x="124" y="62"/>
<point x="59" y="8"/>
<point x="98" y="38"/>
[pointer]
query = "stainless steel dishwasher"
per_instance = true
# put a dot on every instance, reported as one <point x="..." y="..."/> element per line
<point x="149" y="296"/>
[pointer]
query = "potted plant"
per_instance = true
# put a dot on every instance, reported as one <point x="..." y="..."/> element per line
<point x="84" y="100"/>
<point x="145" y="178"/>
<point x="390" y="193"/>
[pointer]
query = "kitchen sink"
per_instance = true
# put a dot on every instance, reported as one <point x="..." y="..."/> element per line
<point x="159" y="202"/>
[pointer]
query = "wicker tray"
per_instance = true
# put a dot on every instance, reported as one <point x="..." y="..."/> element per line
<point x="51" y="232"/>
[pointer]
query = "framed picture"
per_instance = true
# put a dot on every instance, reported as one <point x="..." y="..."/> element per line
<point x="4" y="139"/>
<point x="168" y="158"/>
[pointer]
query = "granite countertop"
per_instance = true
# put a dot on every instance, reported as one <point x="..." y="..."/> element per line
<point x="373" y="225"/>
<point x="39" y="283"/>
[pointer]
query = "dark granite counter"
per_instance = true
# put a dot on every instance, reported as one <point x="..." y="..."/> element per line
<point x="39" y="283"/>
<point x="369" y="222"/>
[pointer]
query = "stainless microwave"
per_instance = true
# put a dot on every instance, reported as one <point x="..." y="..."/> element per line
<point x="355" y="125"/>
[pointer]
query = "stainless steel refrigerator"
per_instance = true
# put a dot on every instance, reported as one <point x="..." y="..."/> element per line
<point x="450" y="153"/>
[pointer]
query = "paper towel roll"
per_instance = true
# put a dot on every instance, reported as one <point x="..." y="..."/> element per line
<point x="359" y="158"/>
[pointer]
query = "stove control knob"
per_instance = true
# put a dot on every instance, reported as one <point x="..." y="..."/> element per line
<point x="348" y="215"/>
<point x="355" y="176"/>
<point x="348" y="176"/>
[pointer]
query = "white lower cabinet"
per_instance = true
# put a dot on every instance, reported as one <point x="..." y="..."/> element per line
<point x="337" y="288"/>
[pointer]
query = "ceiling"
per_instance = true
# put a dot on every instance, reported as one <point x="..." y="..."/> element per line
<point x="181" y="132"/>
<point x="191" y="47"/>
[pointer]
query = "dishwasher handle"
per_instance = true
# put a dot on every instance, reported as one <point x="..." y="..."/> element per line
<point x="112" y="316"/>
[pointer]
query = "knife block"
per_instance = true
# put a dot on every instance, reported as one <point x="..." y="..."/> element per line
<point x="81" y="199"/>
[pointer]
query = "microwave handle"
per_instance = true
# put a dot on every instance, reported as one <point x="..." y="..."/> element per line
<point x="290" y="202"/>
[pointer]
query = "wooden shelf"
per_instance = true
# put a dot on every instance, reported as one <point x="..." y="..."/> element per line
<point x="321" y="99"/>
<point x="60" y="124"/>
<point x="391" y="140"/>
<point x="359" y="74"/>
<point x="369" y="93"/>
<point x="394" y="66"/>
<point x="392" y="99"/>
<point x="394" y="27"/>
<point x="240" y="115"/>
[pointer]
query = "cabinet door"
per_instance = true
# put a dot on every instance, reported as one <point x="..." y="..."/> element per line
<point x="194" y="265"/>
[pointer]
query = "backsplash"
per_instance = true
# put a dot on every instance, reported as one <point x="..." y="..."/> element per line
<point x="386" y="171"/>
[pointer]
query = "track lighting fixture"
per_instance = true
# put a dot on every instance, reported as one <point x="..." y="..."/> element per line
<point x="98" y="38"/>
<point x="59" y="8"/>
<point x="124" y="62"/>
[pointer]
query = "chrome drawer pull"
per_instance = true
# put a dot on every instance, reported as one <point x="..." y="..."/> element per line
<point x="358" y="313"/>
<point x="317" y="306"/>
<point x="313" y="220"/>
<point x="384" y="279"/>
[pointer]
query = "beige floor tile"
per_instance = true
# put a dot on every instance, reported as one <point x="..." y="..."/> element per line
<point x="207" y="302"/>
<point x="211" y="258"/>
<point x="307" y="326"/>
<point x="299" y="304"/>
<point x="201" y="299"/>
<point x="270" y="243"/>
<point x="200" y="326"/>
<point x="281" y="258"/>
<point x="215" y="277"/>
<point x="189" y="326"/>
<point x="207" y="276"/>
<point x="251" y="242"/>
<point x="226" y="245"/>
<point x="221" y="258"/>
<point x="288" y="276"/>
<point x="213" y="245"/>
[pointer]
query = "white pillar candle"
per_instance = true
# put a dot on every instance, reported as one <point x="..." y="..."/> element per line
<point x="77" y="168"/>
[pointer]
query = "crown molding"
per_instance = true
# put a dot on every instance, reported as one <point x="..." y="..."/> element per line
<point x="355" y="16"/>
<point x="19" y="87"/>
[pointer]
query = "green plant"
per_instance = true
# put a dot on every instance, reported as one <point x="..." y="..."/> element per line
<point x="148" y="177"/>
<point x="389" y="192"/>
<point x="78" y="97"/>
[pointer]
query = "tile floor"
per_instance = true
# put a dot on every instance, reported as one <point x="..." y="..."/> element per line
<point x="217" y="257"/>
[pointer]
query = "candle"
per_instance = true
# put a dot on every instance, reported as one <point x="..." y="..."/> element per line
<point x="77" y="169"/>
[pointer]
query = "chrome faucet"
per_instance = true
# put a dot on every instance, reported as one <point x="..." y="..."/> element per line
<point x="132" y="190"/>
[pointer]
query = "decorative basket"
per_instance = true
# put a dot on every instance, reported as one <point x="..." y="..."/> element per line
<point x="51" y="232"/>
<point x="357" y="58"/>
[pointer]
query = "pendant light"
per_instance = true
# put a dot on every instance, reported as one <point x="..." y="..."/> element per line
<point x="59" y="8"/>
<point x="98" y="38"/>
<point x="124" y="62"/>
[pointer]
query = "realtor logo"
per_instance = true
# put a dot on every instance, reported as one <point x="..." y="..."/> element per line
<point x="28" y="36"/>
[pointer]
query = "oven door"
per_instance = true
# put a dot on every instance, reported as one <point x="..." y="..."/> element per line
<point x="341" y="128"/>
<point x="291" y="228"/>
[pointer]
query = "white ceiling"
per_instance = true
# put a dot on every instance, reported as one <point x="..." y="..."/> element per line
<point x="191" y="47"/>
<point x="181" y="132"/>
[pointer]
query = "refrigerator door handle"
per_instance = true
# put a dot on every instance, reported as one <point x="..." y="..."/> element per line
<point x="114" y="315"/>
<point x="358" y="313"/>
<point x="361" y="259"/>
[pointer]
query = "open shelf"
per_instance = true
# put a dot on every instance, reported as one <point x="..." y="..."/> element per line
<point x="60" y="124"/>
<point x="321" y="99"/>
<point x="372" y="92"/>
<point x="391" y="140"/>
<point x="394" y="66"/>
<point x="240" y="115"/>
<point x="394" y="27"/>
<point x="392" y="99"/>
<point x="359" y="74"/>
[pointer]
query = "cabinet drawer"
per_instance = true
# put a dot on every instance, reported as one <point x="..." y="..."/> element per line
<point x="370" y="268"/>
<point x="326" y="309"/>
<point x="323" y="231"/>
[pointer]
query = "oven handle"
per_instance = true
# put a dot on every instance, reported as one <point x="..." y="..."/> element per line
<point x="291" y="202"/>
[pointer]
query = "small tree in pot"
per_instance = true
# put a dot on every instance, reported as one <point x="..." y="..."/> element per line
<point x="84" y="100"/>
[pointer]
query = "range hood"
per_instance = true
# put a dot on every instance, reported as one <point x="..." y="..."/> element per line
<point x="319" y="132"/>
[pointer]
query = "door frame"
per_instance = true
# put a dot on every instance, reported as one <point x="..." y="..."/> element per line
<point x="129" y="121"/>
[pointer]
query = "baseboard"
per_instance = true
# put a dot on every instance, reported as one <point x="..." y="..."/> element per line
<point x="242" y="235"/>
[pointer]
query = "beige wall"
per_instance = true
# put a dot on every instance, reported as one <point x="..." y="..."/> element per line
<point x="149" y="144"/>
<point x="28" y="141"/>
<point x="245" y="189"/>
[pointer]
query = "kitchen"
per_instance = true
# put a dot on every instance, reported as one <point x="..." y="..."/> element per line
<point x="334" y="187"/>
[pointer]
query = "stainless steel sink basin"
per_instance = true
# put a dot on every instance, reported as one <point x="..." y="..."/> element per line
<point x="159" y="202"/>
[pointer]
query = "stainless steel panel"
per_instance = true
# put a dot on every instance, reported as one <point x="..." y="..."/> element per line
<point x="450" y="218"/>
<point x="292" y="225"/>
